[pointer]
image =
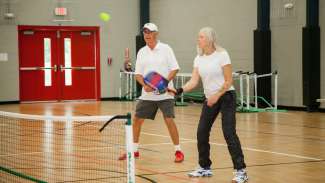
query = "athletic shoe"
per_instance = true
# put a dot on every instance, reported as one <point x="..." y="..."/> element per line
<point x="201" y="172"/>
<point x="240" y="176"/>
<point x="179" y="156"/>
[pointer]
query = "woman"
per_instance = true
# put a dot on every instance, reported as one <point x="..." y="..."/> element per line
<point x="213" y="65"/>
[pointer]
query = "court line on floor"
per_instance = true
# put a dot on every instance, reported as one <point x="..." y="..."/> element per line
<point x="231" y="167"/>
<point x="225" y="145"/>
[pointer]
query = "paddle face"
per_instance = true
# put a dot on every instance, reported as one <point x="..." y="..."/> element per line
<point x="157" y="82"/>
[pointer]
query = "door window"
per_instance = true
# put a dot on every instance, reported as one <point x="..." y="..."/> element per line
<point x="47" y="62"/>
<point x="67" y="62"/>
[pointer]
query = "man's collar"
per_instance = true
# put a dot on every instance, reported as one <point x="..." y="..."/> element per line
<point x="156" y="47"/>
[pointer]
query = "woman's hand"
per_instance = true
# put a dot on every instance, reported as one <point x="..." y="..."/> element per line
<point x="171" y="91"/>
<point x="212" y="100"/>
<point x="176" y="92"/>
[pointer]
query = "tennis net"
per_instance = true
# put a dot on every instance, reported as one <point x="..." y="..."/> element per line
<point x="35" y="148"/>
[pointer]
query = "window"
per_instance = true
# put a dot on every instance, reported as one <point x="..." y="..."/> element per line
<point x="67" y="62"/>
<point x="47" y="62"/>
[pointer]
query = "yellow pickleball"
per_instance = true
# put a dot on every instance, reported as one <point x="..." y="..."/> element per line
<point x="104" y="16"/>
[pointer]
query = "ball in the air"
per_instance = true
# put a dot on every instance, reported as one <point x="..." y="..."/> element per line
<point x="104" y="17"/>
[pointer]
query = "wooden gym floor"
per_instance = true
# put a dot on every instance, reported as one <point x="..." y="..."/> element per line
<point x="279" y="147"/>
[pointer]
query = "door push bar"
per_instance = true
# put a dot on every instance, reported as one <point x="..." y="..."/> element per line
<point x="76" y="68"/>
<point x="55" y="68"/>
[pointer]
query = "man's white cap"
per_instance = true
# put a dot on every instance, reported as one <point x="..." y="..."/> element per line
<point x="151" y="26"/>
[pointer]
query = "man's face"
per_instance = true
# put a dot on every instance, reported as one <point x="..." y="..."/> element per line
<point x="149" y="36"/>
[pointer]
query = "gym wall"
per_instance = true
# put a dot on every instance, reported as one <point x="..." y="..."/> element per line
<point x="234" y="22"/>
<point x="116" y="35"/>
<point x="180" y="21"/>
<point x="286" y="49"/>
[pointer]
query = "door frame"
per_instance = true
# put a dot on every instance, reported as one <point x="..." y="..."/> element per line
<point x="68" y="28"/>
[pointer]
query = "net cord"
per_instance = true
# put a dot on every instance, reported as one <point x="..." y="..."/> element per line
<point x="103" y="118"/>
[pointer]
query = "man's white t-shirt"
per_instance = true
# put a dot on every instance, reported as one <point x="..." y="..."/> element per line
<point x="162" y="60"/>
<point x="211" y="72"/>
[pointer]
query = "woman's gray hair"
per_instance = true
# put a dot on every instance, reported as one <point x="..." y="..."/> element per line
<point x="211" y="37"/>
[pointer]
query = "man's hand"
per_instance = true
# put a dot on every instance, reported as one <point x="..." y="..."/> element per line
<point x="147" y="88"/>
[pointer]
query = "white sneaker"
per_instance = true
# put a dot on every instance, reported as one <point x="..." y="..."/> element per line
<point x="240" y="176"/>
<point x="201" y="172"/>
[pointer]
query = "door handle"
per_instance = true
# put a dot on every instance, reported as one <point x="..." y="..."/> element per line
<point x="38" y="68"/>
<point x="55" y="68"/>
<point x="84" y="68"/>
<point x="31" y="68"/>
<point x="77" y="68"/>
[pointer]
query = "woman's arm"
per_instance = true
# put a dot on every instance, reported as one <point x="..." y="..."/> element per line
<point x="193" y="82"/>
<point x="227" y="74"/>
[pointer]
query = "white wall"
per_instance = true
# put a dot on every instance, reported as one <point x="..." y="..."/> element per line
<point x="9" y="70"/>
<point x="234" y="21"/>
<point x="286" y="50"/>
<point x="116" y="35"/>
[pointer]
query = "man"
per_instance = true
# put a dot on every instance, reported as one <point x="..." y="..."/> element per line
<point x="158" y="57"/>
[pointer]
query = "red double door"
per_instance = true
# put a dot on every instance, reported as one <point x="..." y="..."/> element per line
<point x="59" y="63"/>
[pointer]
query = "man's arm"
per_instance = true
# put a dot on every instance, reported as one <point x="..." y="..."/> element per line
<point x="140" y="80"/>
<point x="172" y="75"/>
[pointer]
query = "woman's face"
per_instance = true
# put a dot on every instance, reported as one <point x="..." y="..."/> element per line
<point x="202" y="41"/>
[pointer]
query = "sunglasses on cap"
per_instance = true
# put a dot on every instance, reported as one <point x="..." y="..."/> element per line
<point x="147" y="31"/>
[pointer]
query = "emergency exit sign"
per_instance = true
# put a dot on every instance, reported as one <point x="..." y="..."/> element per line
<point x="60" y="11"/>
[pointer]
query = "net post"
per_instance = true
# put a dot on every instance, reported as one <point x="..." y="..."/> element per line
<point x="255" y="90"/>
<point x="127" y="86"/>
<point x="182" y="95"/>
<point x="247" y="91"/>
<point x="120" y="89"/>
<point x="276" y="91"/>
<point x="129" y="150"/>
<point x="241" y="91"/>
<point x="131" y="86"/>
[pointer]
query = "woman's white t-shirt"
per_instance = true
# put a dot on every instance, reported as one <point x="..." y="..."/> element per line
<point x="211" y="72"/>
